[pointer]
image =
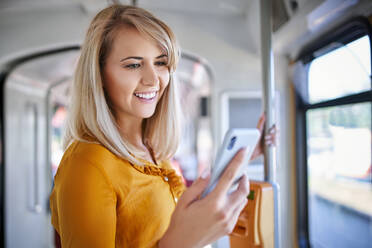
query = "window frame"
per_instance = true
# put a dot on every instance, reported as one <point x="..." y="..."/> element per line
<point x="345" y="33"/>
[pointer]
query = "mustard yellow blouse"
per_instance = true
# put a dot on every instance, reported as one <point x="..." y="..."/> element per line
<point x="101" y="200"/>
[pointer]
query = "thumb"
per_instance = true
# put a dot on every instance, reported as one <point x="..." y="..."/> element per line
<point x="195" y="190"/>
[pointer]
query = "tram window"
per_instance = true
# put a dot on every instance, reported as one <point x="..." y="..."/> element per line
<point x="339" y="171"/>
<point x="339" y="150"/>
<point x="343" y="71"/>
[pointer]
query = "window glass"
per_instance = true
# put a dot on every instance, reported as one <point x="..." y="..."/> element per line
<point x="344" y="71"/>
<point x="339" y="176"/>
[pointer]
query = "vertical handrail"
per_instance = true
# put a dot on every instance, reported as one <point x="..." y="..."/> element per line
<point x="35" y="204"/>
<point x="268" y="90"/>
<point x="268" y="93"/>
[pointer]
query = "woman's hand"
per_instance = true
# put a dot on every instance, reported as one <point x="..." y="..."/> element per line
<point x="197" y="222"/>
<point x="268" y="139"/>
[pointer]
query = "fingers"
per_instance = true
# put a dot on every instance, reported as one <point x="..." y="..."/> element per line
<point x="236" y="213"/>
<point x="234" y="205"/>
<point x="271" y="137"/>
<point x="269" y="141"/>
<point x="229" y="174"/>
<point x="242" y="190"/>
<point x="238" y="200"/>
<point x="240" y="193"/>
<point x="272" y="129"/>
<point x="195" y="190"/>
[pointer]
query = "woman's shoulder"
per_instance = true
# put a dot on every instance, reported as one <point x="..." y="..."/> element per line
<point x="89" y="149"/>
<point x="88" y="155"/>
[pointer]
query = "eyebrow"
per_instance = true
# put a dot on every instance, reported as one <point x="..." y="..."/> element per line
<point x="140" y="58"/>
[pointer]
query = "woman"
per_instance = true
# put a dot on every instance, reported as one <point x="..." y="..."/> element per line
<point x="114" y="186"/>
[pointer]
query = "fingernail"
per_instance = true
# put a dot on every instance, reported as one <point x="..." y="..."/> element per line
<point x="205" y="174"/>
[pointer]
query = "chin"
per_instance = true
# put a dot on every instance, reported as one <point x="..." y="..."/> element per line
<point x="146" y="115"/>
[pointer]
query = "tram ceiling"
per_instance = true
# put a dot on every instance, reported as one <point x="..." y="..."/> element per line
<point x="281" y="8"/>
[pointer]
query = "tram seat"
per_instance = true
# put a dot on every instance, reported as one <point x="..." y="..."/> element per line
<point x="255" y="226"/>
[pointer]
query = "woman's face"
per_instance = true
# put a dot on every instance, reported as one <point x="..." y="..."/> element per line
<point x="135" y="75"/>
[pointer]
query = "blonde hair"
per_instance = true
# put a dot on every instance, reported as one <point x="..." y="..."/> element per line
<point x="90" y="118"/>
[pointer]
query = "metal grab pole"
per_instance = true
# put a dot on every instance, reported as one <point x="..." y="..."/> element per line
<point x="267" y="81"/>
<point x="268" y="105"/>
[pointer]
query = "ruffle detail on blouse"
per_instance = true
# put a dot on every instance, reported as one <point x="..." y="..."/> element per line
<point x="175" y="181"/>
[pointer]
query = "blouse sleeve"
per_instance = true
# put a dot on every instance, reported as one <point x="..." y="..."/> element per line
<point x="85" y="202"/>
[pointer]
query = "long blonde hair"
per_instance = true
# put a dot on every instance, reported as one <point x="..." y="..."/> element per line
<point x="90" y="118"/>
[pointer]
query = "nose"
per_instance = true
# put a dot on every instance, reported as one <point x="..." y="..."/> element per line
<point x="150" y="76"/>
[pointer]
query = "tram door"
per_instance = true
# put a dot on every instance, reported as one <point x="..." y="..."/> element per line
<point x="28" y="102"/>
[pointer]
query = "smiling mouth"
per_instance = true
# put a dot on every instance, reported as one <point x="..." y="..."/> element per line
<point x="146" y="96"/>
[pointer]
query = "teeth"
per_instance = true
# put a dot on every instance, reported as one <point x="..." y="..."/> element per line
<point x="146" y="96"/>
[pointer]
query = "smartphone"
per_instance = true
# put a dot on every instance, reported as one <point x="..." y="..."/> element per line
<point x="234" y="140"/>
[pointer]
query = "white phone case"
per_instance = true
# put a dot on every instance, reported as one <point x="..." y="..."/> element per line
<point x="234" y="140"/>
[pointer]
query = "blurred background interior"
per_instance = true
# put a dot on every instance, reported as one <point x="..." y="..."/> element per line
<point x="321" y="103"/>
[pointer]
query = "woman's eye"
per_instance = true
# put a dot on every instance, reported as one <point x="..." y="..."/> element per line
<point x="161" y="63"/>
<point x="132" y="66"/>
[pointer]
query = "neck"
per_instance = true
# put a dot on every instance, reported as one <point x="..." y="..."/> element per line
<point x="130" y="129"/>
